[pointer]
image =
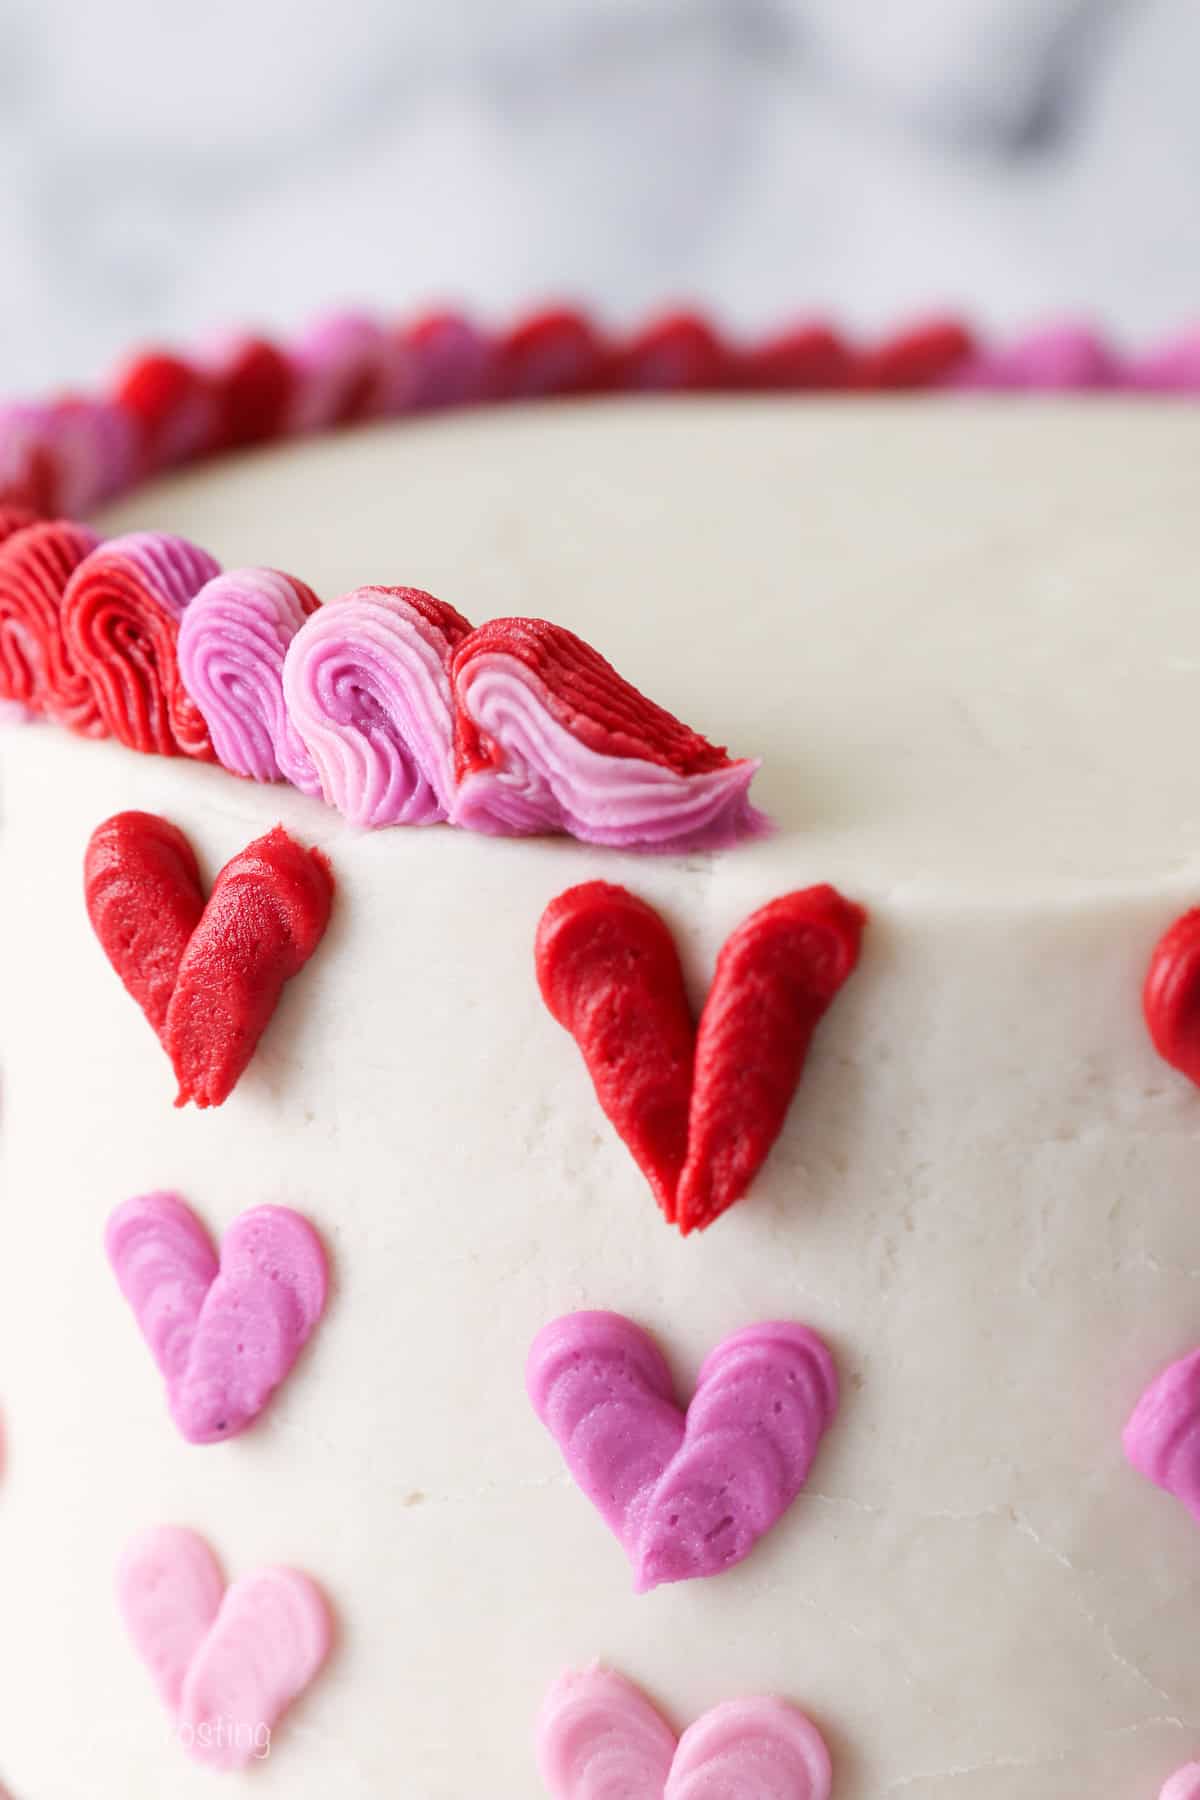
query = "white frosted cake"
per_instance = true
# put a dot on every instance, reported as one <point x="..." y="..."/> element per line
<point x="964" y="641"/>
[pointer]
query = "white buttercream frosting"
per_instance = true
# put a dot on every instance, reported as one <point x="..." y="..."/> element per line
<point x="965" y="643"/>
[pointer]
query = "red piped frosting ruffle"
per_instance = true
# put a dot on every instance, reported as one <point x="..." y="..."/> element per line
<point x="386" y="702"/>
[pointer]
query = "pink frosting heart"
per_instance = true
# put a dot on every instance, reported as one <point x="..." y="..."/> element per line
<point x="599" y="1738"/>
<point x="1183" y="1785"/>
<point x="224" y="1334"/>
<point x="227" y="1661"/>
<point x="686" y="1494"/>
<point x="169" y="1589"/>
<point x="1162" y="1438"/>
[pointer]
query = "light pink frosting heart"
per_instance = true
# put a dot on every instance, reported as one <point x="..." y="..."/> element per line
<point x="227" y="1661"/>
<point x="266" y="1644"/>
<point x="1183" y="1785"/>
<point x="1162" y="1438"/>
<point x="169" y="1589"/>
<point x="685" y="1494"/>
<point x="598" y="1738"/>
<point x="224" y="1334"/>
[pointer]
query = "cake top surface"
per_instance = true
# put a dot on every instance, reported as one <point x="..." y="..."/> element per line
<point x="963" y="637"/>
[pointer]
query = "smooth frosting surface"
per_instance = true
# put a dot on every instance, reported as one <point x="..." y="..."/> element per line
<point x="921" y="618"/>
<point x="966" y="646"/>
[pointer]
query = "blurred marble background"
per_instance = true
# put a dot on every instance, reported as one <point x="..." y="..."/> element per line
<point x="165" y="166"/>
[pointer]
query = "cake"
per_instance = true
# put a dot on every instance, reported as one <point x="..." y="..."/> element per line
<point x="960" y="637"/>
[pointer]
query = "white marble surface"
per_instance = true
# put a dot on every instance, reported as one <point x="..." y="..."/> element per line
<point x="164" y="166"/>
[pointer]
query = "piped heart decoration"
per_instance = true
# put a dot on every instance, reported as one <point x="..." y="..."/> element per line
<point x="1183" y="1785"/>
<point x="599" y="1738"/>
<point x="1162" y="1438"/>
<point x="1171" y="996"/>
<point x="698" y="1108"/>
<point x="686" y="1494"/>
<point x="224" y="1333"/>
<point x="227" y="1661"/>
<point x="207" y="974"/>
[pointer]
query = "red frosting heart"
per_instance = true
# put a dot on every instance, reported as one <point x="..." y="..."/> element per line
<point x="699" y="1110"/>
<point x="774" y="978"/>
<point x="1171" y="997"/>
<point x="609" y="971"/>
<point x="144" y="897"/>
<point x="207" y="976"/>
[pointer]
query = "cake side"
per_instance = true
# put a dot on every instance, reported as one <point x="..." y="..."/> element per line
<point x="981" y="1198"/>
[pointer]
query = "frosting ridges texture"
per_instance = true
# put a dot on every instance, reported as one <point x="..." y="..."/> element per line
<point x="224" y="1331"/>
<point x="548" y="737"/>
<point x="232" y="642"/>
<point x="599" y="1738"/>
<point x="227" y="1662"/>
<point x="367" y="686"/>
<point x="120" y="620"/>
<point x="690" y="1494"/>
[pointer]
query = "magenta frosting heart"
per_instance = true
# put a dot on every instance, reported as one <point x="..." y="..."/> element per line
<point x="223" y="1333"/>
<point x="687" y="1494"/>
<point x="598" y="1738"/>
<point x="227" y="1661"/>
<point x="1162" y="1438"/>
<point x="1183" y="1785"/>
